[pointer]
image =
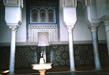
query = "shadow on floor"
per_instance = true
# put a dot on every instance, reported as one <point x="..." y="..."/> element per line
<point x="86" y="72"/>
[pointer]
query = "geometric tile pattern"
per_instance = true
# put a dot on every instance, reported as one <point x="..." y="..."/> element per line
<point x="84" y="54"/>
<point x="4" y="57"/>
<point x="43" y="26"/>
<point x="104" y="58"/>
<point x="57" y="54"/>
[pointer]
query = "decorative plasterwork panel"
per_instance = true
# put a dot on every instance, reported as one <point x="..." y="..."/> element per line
<point x="42" y="16"/>
<point x="42" y="26"/>
<point x="52" y="31"/>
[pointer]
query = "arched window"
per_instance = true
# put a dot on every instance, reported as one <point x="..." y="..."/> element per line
<point x="50" y="15"/>
<point x="34" y="15"/>
<point x="42" y="15"/>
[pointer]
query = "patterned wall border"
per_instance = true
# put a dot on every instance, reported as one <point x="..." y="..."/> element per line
<point x="42" y="26"/>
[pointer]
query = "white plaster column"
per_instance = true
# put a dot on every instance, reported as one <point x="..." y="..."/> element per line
<point x="13" y="18"/>
<point x="105" y="19"/>
<point x="71" y="50"/>
<point x="93" y="27"/>
<point x="70" y="18"/>
<point x="106" y="24"/>
<point x="12" y="49"/>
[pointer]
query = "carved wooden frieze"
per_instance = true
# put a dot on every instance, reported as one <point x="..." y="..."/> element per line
<point x="105" y="20"/>
<point x="13" y="2"/>
<point x="87" y="2"/>
<point x="69" y="3"/>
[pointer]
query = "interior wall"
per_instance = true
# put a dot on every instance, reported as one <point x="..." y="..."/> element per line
<point x="4" y="29"/>
<point x="5" y="33"/>
<point x="101" y="32"/>
<point x="58" y="55"/>
<point x="101" y="5"/>
<point x="80" y="33"/>
<point x="63" y="29"/>
<point x="21" y="33"/>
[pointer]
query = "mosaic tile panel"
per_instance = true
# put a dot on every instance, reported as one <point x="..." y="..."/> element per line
<point x="4" y="57"/>
<point x="59" y="55"/>
<point x="84" y="54"/>
<point x="104" y="58"/>
<point x="56" y="54"/>
<point x="43" y="26"/>
<point x="25" y="56"/>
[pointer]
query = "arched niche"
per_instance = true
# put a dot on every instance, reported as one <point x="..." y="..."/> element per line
<point x="43" y="39"/>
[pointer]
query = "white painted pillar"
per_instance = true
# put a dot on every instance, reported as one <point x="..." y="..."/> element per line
<point x="93" y="28"/>
<point x="106" y="24"/>
<point x="70" y="18"/>
<point x="105" y="20"/>
<point x="12" y="49"/>
<point x="13" y="18"/>
<point x="71" y="50"/>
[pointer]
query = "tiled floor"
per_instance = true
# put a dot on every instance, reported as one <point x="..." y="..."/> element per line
<point x="90" y="72"/>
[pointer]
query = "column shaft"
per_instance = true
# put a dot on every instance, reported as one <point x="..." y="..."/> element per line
<point x="96" y="53"/>
<point x="12" y="52"/>
<point x="107" y="36"/>
<point x="71" y="52"/>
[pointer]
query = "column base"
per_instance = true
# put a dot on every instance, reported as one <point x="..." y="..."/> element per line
<point x="98" y="69"/>
<point x="11" y="73"/>
<point x="72" y="70"/>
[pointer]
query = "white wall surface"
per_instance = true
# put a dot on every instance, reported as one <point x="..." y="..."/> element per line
<point x="101" y="32"/>
<point x="12" y="14"/>
<point x="100" y="7"/>
<point x="80" y="33"/>
<point x="4" y="29"/>
<point x="5" y="33"/>
<point x="21" y="33"/>
<point x="63" y="30"/>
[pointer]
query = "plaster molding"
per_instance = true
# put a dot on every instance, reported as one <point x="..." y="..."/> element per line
<point x="105" y="19"/>
<point x="93" y="27"/>
<point x="9" y="3"/>
<point x="70" y="28"/>
<point x="18" y="24"/>
<point x="87" y="22"/>
<point x="87" y="2"/>
<point x="13" y="27"/>
<point x="68" y="3"/>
